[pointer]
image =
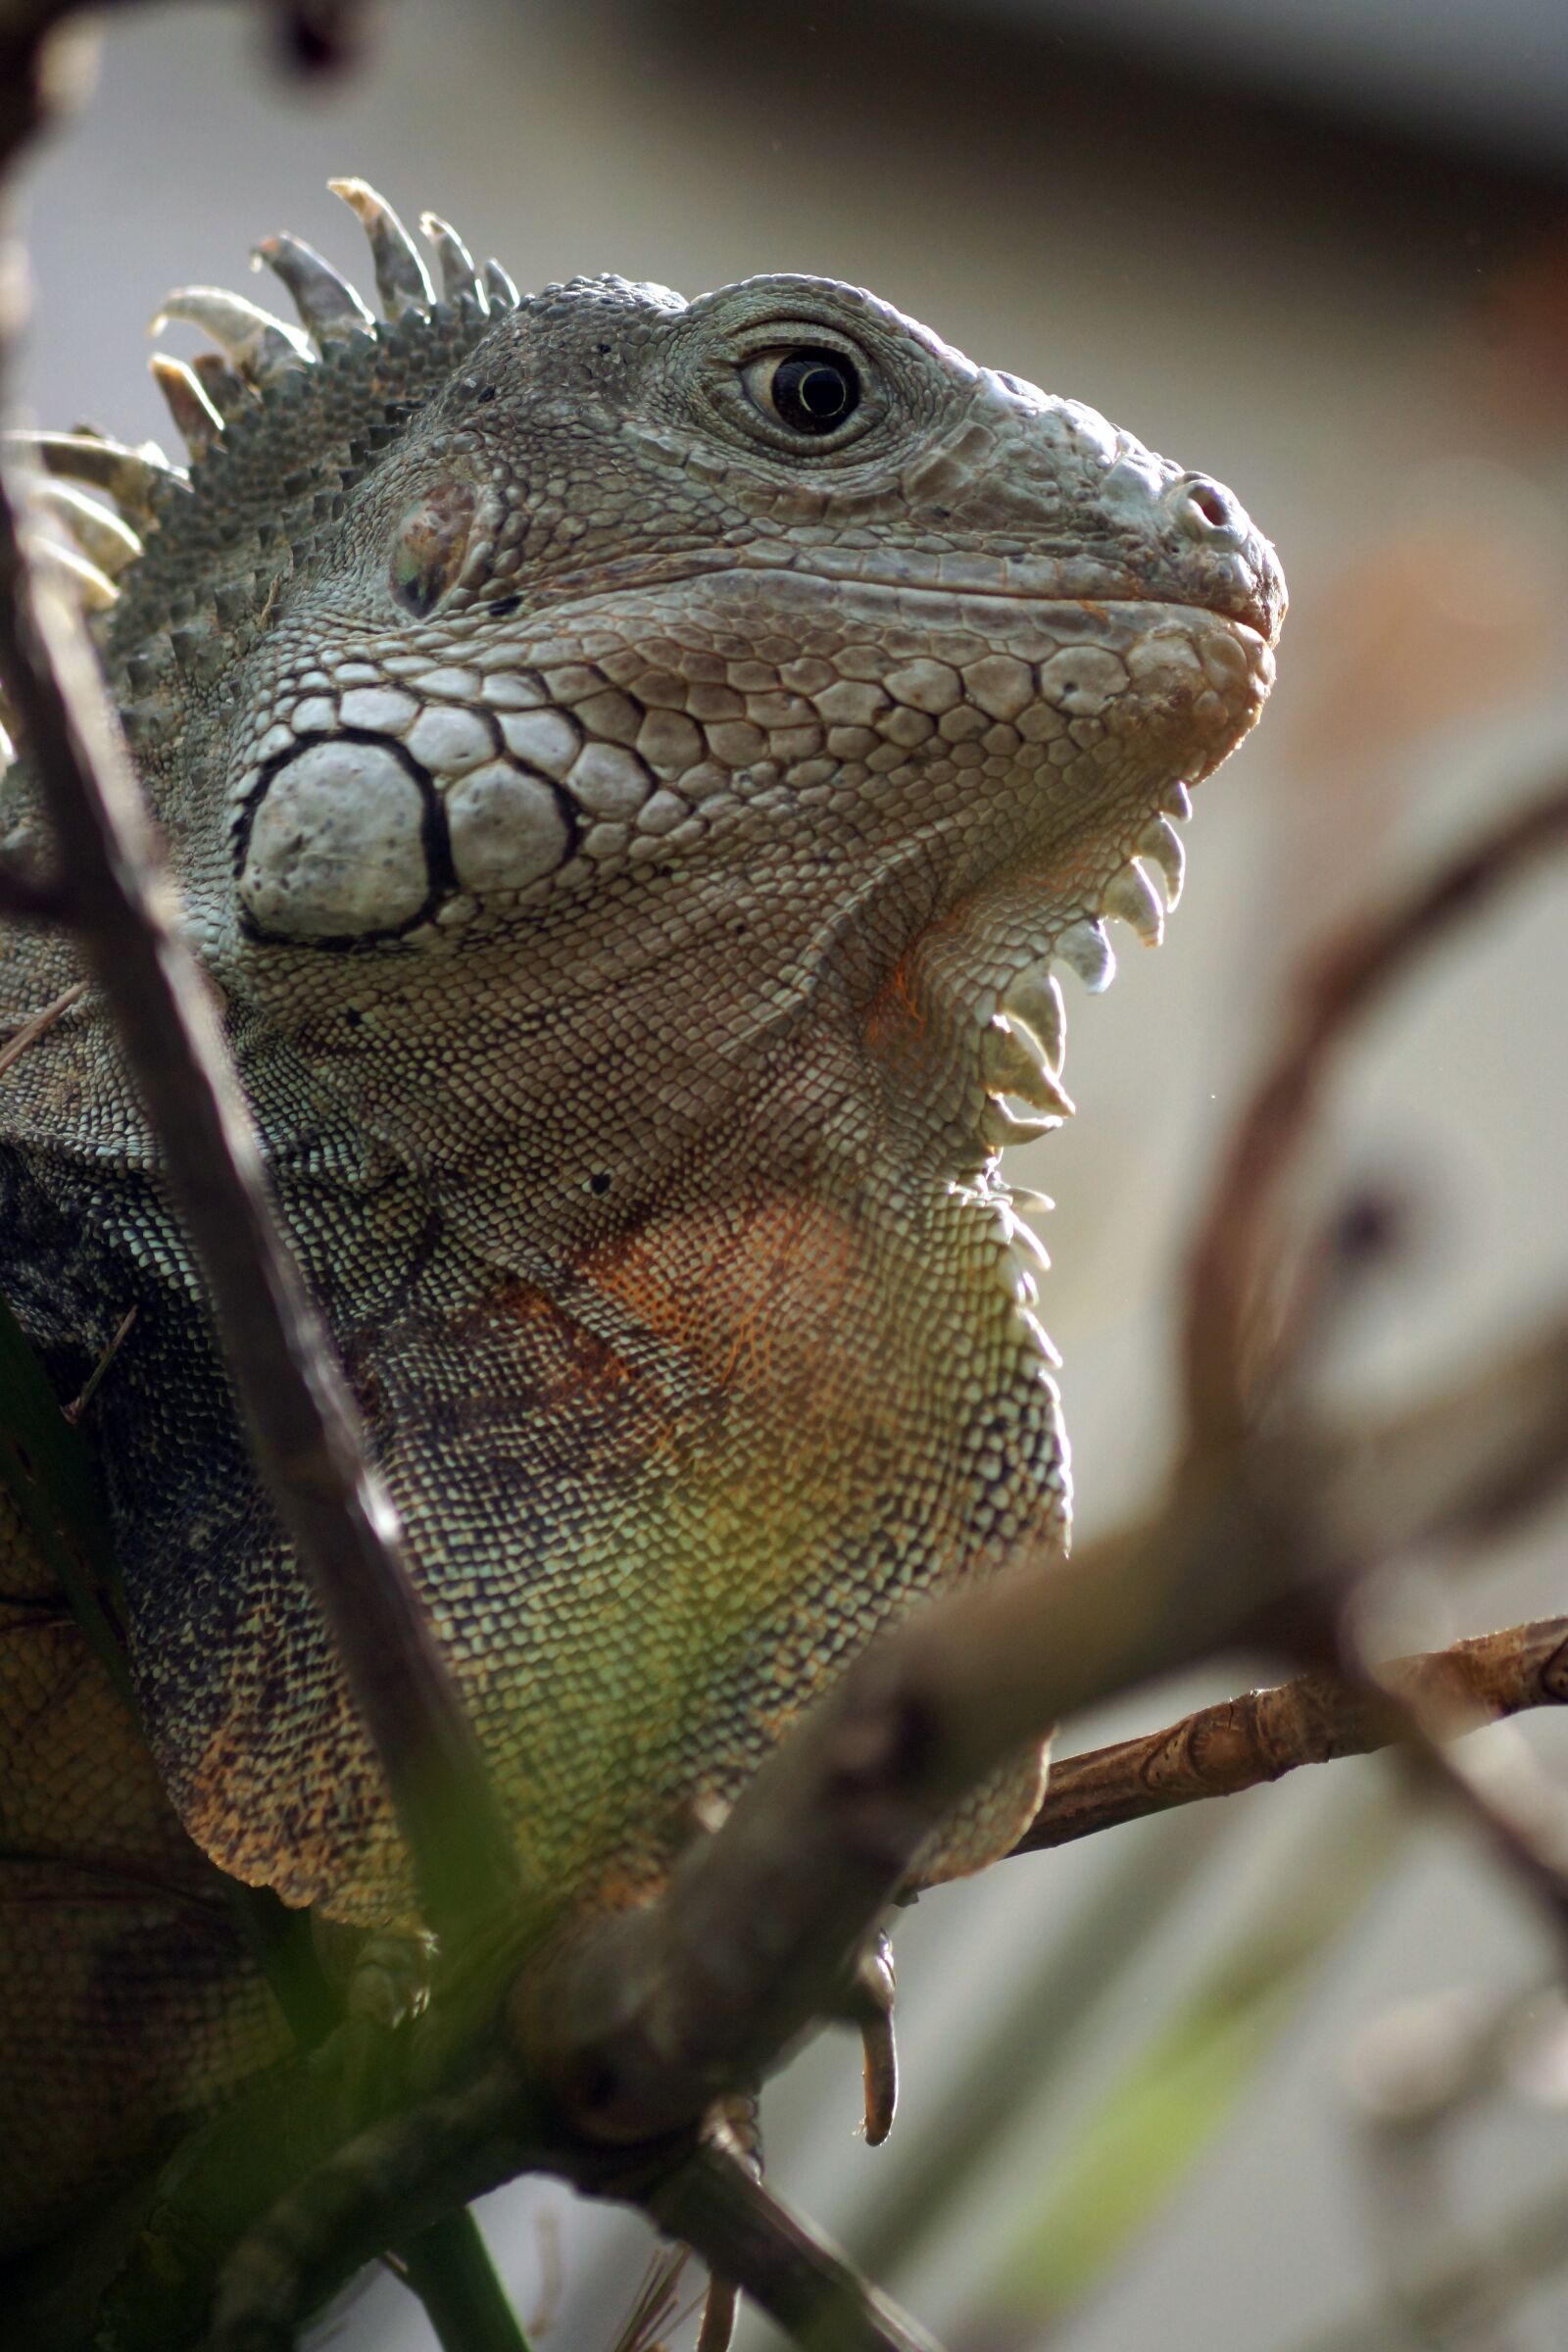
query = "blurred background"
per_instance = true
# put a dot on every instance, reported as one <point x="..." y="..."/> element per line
<point x="1265" y="2078"/>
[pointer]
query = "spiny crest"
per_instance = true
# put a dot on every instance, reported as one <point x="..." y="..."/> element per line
<point x="277" y="422"/>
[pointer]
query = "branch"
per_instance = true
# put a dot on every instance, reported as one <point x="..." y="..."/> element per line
<point x="1238" y="1237"/>
<point x="22" y="900"/>
<point x="1529" y="1837"/>
<point x="310" y="35"/>
<point x="704" y="2194"/>
<point x="303" y="1423"/>
<point x="1260" y="1737"/>
<point x="651" y="2015"/>
<point x="1263" y="1537"/>
<point x="715" y="2204"/>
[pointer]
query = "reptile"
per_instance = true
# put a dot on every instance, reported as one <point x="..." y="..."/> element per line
<point x="631" y="768"/>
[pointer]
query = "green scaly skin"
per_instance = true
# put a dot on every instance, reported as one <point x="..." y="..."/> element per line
<point x="630" y="766"/>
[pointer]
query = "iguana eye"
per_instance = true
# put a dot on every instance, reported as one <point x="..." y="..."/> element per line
<point x="811" y="392"/>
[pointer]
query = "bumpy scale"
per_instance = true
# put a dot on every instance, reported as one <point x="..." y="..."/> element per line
<point x="630" y="766"/>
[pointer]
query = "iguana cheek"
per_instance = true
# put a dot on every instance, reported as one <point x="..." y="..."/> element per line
<point x="337" y="845"/>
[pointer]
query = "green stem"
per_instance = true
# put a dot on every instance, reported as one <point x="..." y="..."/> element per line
<point x="449" y="2267"/>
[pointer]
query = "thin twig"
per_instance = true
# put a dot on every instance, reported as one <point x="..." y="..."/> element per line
<point x="1246" y="1741"/>
<point x="655" y="2305"/>
<point x="1237" y="1238"/>
<point x="90" y="1385"/>
<point x="1535" y="1851"/>
<point x="41" y="1022"/>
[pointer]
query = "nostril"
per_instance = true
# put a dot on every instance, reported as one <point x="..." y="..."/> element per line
<point x="1211" y="504"/>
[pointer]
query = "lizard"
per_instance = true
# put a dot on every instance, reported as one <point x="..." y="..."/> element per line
<point x="631" y="768"/>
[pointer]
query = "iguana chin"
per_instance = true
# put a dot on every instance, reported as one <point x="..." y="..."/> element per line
<point x="631" y="766"/>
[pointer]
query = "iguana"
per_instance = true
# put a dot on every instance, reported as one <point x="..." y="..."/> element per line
<point x="630" y="766"/>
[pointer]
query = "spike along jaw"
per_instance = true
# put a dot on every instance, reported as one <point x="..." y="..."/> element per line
<point x="662" y="635"/>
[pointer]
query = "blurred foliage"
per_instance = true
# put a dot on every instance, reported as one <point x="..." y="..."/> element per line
<point x="1171" y="2102"/>
<point x="1038" y="2028"/>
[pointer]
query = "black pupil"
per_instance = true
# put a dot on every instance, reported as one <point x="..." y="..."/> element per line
<point x="813" y="391"/>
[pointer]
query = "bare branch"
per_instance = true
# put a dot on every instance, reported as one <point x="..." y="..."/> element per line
<point x="1458" y="1468"/>
<point x="1238" y="1237"/>
<point x="1529" y="1839"/>
<point x="302" y="1421"/>
<point x="717" y="2205"/>
<point x="658" y="2011"/>
<point x="467" y="2141"/>
<point x="40" y="1024"/>
<point x="1261" y="1736"/>
<point x="1528" y="2246"/>
<point x="392" y="2181"/>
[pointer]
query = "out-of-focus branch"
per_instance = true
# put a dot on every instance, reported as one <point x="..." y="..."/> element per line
<point x="648" y="2017"/>
<point x="701" y="2191"/>
<point x="716" y="2204"/>
<point x="1528" y="1837"/>
<point x="1457" y="1469"/>
<point x="1265" y="1534"/>
<point x="1527" y="2247"/>
<point x="1241" y="1350"/>
<point x="303" y="1423"/>
<point x="302" y="1420"/>
<point x="637" y="2024"/>
<point x="663" y="2008"/>
<point x="309" y="36"/>
<point x="1261" y="1736"/>
<point x="655" y="2012"/>
<point x="1238" y="1241"/>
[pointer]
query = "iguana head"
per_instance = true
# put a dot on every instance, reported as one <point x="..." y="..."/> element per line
<point x="505" y="656"/>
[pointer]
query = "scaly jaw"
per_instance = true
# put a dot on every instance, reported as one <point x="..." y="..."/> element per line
<point x="1023" y="1043"/>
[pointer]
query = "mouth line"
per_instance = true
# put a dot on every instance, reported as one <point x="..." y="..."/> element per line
<point x="1119" y="594"/>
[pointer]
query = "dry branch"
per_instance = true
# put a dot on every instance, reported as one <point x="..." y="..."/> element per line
<point x="302" y="1421"/>
<point x="660" y="2010"/>
<point x="1263" y="1735"/>
<point x="1239" y="1238"/>
<point x="1264" y="1535"/>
